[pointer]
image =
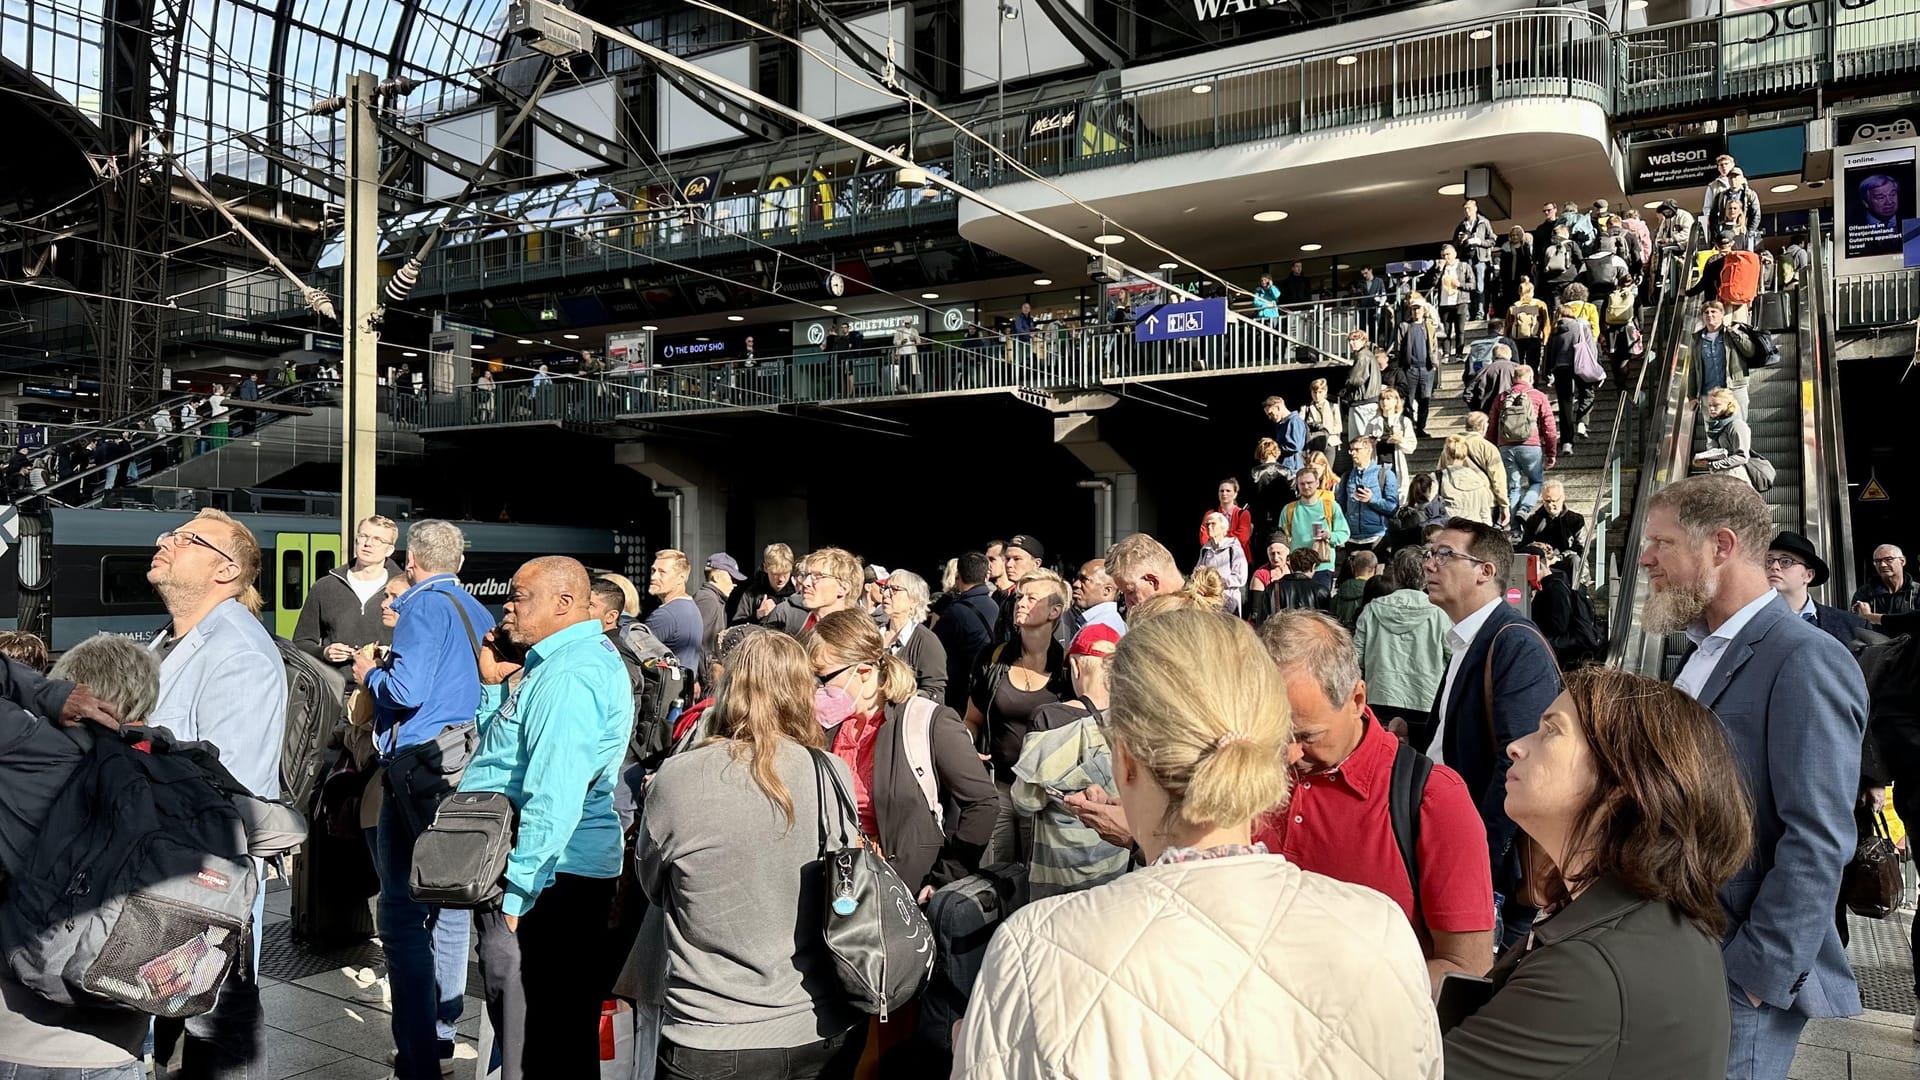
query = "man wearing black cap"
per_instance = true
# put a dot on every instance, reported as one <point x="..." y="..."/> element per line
<point x="723" y="575"/>
<point x="1793" y="567"/>
<point x="1023" y="556"/>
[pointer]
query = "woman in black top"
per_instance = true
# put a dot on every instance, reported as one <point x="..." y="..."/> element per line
<point x="1019" y="677"/>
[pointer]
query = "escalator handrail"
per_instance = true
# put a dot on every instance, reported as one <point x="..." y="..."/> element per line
<point x="1665" y="447"/>
<point x="1826" y="497"/>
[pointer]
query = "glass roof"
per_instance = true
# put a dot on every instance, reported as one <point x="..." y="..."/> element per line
<point x="238" y="53"/>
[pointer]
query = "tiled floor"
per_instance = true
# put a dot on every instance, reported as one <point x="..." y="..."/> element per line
<point x="1877" y="1045"/>
<point x="316" y="1031"/>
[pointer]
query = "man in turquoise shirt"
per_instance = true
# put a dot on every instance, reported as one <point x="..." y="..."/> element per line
<point x="553" y="725"/>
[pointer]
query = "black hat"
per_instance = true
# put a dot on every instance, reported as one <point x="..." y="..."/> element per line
<point x="1029" y="545"/>
<point x="1668" y="208"/>
<point x="1800" y="548"/>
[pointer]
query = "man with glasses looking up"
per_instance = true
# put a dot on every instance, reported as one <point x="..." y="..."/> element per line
<point x="830" y="580"/>
<point x="342" y="613"/>
<point x="1500" y="679"/>
<point x="221" y="682"/>
<point x="1793" y="569"/>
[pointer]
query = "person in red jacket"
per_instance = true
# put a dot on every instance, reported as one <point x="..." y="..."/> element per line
<point x="1239" y="518"/>
<point x="1529" y="445"/>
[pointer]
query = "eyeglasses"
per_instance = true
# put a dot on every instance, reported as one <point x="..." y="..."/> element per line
<point x="1781" y="562"/>
<point x="808" y="577"/>
<point x="1443" y="553"/>
<point x="181" y="536"/>
<point x="1888" y="560"/>
<point x="832" y="675"/>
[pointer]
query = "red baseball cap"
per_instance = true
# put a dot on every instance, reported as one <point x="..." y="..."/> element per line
<point x="1097" y="639"/>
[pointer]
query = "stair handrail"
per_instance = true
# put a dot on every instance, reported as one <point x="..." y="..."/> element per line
<point x="1826" y="497"/>
<point x="1663" y="450"/>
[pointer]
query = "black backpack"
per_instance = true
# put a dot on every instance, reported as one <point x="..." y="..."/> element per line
<point x="1587" y="642"/>
<point x="1405" y="790"/>
<point x="316" y="695"/>
<point x="137" y="894"/>
<point x="662" y="689"/>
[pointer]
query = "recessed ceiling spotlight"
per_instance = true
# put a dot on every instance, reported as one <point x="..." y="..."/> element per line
<point x="1203" y="88"/>
<point x="1190" y="209"/>
<point x="736" y="318"/>
<point x="1653" y="205"/>
<point x="1169" y="266"/>
<point x="1043" y="281"/>
<point x="476" y="346"/>
<point x="571" y="337"/>
<point x="649" y="328"/>
<point x="525" y="341"/>
<point x="929" y="296"/>
<point x="1109" y="239"/>
<point x="1270" y="215"/>
<point x="1782" y="189"/>
<point x="409" y="355"/>
<point x="829" y="307"/>
<point x="1343" y="266"/>
<point x="1309" y="247"/>
<point x="1347" y="61"/>
<point x="1453" y="189"/>
<point x="702" y="339"/>
<point x="1481" y="34"/>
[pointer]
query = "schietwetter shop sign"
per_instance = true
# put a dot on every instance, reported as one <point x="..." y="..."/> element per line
<point x="953" y="319"/>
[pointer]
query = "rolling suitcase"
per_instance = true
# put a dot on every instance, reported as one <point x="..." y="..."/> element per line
<point x="333" y="876"/>
<point x="964" y="914"/>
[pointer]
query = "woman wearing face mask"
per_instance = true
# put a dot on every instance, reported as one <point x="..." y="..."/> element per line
<point x="1630" y="791"/>
<point x="862" y="702"/>
<point x="727" y="840"/>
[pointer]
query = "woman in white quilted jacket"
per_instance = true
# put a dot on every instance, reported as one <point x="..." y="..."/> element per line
<point x="1216" y="959"/>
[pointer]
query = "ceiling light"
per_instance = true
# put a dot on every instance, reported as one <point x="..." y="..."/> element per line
<point x="1343" y="266"/>
<point x="1782" y="189"/>
<point x="1653" y="205"/>
<point x="1636" y="5"/>
<point x="476" y="346"/>
<point x="1043" y="281"/>
<point x="524" y="341"/>
<point x="1347" y="61"/>
<point x="409" y="355"/>
<point x="1270" y="215"/>
<point x="702" y="339"/>
<point x="736" y="318"/>
<point x="1203" y="88"/>
<point x="929" y="296"/>
<point x="829" y="307"/>
<point x="1109" y="239"/>
<point x="1169" y="266"/>
<point x="649" y="328"/>
<point x="571" y="337"/>
<point x="1190" y="210"/>
<point x="1453" y="189"/>
<point x="1309" y="247"/>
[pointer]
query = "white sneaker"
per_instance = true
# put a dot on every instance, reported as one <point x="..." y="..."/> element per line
<point x="377" y="992"/>
<point x="1581" y="428"/>
<point x="1566" y="448"/>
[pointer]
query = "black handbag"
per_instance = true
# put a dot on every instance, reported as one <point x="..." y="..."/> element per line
<point x="1871" y="884"/>
<point x="881" y="943"/>
<point x="420" y="776"/>
<point x="461" y="858"/>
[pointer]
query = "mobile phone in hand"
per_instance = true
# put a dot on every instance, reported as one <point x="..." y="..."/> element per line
<point x="1460" y="997"/>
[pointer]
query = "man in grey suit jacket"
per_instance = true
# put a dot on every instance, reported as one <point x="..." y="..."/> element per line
<point x="1795" y="709"/>
<point x="221" y="681"/>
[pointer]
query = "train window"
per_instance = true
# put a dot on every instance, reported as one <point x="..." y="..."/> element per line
<point x="323" y="563"/>
<point x="123" y="580"/>
<point x="290" y="580"/>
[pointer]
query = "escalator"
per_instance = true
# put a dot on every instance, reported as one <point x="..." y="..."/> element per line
<point x="1794" y="417"/>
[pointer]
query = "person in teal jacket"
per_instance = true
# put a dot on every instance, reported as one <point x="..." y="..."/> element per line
<point x="553" y="725"/>
<point x="1266" y="299"/>
<point x="1312" y="512"/>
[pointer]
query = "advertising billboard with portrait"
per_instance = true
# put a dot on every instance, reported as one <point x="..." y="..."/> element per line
<point x="1878" y="188"/>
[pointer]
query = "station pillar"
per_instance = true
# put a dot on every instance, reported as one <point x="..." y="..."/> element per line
<point x="697" y="499"/>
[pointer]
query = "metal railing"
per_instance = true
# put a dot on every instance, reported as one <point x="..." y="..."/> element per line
<point x="1052" y="358"/>
<point x="1869" y="301"/>
<point x="1767" y="50"/>
<point x="1827" y="499"/>
<point x="1557" y="53"/>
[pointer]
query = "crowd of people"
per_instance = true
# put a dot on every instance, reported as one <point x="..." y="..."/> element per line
<point x="1381" y="825"/>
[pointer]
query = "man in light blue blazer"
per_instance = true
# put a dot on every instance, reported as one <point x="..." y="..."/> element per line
<point x="222" y="682"/>
<point x="1794" y="706"/>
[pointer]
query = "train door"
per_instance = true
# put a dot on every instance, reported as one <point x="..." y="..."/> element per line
<point x="299" y="560"/>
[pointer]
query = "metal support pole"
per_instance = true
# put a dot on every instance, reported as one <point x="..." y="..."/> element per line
<point x="360" y="287"/>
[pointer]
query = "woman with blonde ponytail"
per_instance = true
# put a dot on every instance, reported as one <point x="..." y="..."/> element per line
<point x="864" y="698"/>
<point x="1278" y="972"/>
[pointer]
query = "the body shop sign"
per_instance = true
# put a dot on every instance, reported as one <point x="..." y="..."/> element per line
<point x="1673" y="163"/>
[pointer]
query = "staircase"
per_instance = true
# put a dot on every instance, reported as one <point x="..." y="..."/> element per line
<point x="277" y="447"/>
<point x="1773" y="417"/>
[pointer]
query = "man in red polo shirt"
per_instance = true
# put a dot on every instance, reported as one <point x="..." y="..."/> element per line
<point x="1336" y="821"/>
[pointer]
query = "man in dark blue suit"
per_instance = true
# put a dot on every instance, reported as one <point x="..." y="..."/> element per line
<point x="1500" y="679"/>
<point x="1794" y="706"/>
<point x="1793" y="568"/>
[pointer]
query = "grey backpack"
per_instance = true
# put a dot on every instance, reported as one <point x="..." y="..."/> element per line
<point x="137" y="893"/>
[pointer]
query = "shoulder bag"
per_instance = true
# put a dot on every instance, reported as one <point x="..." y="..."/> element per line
<point x="419" y="776"/>
<point x="1871" y="885"/>
<point x="881" y="944"/>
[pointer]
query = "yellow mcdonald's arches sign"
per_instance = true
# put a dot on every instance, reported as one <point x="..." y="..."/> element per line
<point x="772" y="203"/>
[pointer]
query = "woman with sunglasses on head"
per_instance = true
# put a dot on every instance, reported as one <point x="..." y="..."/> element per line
<point x="727" y="841"/>
<point x="905" y="599"/>
<point x="1215" y="958"/>
<point x="1629" y="792"/>
<point x="863" y="702"/>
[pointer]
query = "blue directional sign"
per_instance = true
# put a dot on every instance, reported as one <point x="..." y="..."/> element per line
<point x="1188" y="319"/>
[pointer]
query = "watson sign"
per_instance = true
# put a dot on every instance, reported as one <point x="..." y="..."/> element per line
<point x="1673" y="163"/>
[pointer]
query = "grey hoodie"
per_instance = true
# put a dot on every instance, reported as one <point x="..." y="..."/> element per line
<point x="1402" y="641"/>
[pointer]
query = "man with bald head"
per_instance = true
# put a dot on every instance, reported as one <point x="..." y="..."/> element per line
<point x="556" y="711"/>
<point x="1891" y="592"/>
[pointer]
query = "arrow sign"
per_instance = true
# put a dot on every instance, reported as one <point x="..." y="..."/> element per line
<point x="1188" y="319"/>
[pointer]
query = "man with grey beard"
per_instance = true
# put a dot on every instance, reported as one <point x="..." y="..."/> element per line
<point x="1794" y="707"/>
